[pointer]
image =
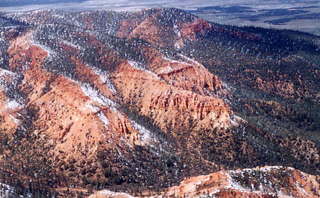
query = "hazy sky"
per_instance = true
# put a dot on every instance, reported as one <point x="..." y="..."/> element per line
<point x="138" y="4"/>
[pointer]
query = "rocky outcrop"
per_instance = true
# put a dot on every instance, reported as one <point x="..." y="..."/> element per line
<point x="196" y="28"/>
<point x="163" y="29"/>
<point x="261" y="182"/>
<point x="257" y="182"/>
<point x="171" y="108"/>
<point x="183" y="72"/>
<point x="150" y="31"/>
<point x="9" y="106"/>
<point x="77" y="118"/>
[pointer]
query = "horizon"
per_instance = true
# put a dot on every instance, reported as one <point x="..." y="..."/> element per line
<point x="126" y="4"/>
<point x="297" y="15"/>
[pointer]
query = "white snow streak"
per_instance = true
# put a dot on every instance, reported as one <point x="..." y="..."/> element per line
<point x="6" y="190"/>
<point x="71" y="44"/>
<point x="175" y="61"/>
<point x="262" y="169"/>
<point x="178" y="45"/>
<point x="95" y="96"/>
<point x="138" y="66"/>
<point x="263" y="188"/>
<point x="192" y="61"/>
<point x="49" y="51"/>
<point x="13" y="104"/>
<point x="114" y="194"/>
<point x="104" y="77"/>
<point x="176" y="30"/>
<point x="146" y="136"/>
<point x="103" y="118"/>
<point x="4" y="72"/>
<point x="93" y="108"/>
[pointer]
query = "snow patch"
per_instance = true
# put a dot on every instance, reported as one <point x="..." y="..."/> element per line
<point x="178" y="45"/>
<point x="6" y="190"/>
<point x="175" y="61"/>
<point x="189" y="59"/>
<point x="71" y="44"/>
<point x="103" y="118"/>
<point x="262" y="169"/>
<point x="227" y="87"/>
<point x="92" y="108"/>
<point x="192" y="61"/>
<point x="234" y="185"/>
<point x="146" y="136"/>
<point x="49" y="51"/>
<point x="104" y="77"/>
<point x="4" y="72"/>
<point x="236" y="120"/>
<point x="136" y="65"/>
<point x="300" y="189"/>
<point x="265" y="186"/>
<point x="58" y="16"/>
<point x="212" y="194"/>
<point x="9" y="106"/>
<point x="114" y="194"/>
<point x="13" y="104"/>
<point x="95" y="96"/>
<point x="284" y="195"/>
<point x="176" y="30"/>
<point x="272" y="168"/>
<point x="140" y="67"/>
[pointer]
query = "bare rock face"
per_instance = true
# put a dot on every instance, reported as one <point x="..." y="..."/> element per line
<point x="76" y="117"/>
<point x="154" y="27"/>
<point x="183" y="72"/>
<point x="196" y="28"/>
<point x="162" y="102"/>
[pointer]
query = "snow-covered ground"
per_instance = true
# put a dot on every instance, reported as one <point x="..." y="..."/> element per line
<point x="8" y="81"/>
<point x="103" y="118"/>
<point x="108" y="193"/>
<point x="104" y="77"/>
<point x="7" y="191"/>
<point x="13" y="104"/>
<point x="146" y="136"/>
<point x="49" y="51"/>
<point x="71" y="44"/>
<point x="175" y="61"/>
<point x="97" y="97"/>
<point x="177" y="30"/>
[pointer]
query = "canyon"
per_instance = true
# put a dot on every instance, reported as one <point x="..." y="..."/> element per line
<point x="156" y="103"/>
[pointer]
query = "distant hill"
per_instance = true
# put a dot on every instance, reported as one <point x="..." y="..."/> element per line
<point x="13" y="3"/>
